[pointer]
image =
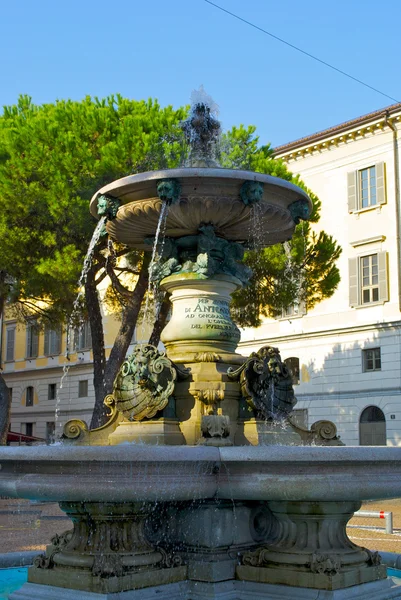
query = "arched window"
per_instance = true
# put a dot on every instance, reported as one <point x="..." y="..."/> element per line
<point x="292" y="364"/>
<point x="372" y="427"/>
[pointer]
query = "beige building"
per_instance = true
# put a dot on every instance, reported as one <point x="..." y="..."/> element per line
<point x="345" y="352"/>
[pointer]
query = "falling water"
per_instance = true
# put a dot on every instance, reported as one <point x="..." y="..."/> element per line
<point x="161" y="228"/>
<point x="256" y="232"/>
<point x="75" y="312"/>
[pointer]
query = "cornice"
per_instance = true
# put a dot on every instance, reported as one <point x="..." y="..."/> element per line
<point x="344" y="133"/>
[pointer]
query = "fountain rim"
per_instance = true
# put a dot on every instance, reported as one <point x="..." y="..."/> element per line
<point x="123" y="186"/>
<point x="182" y="473"/>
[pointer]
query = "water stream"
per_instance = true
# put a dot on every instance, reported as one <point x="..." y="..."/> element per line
<point x="152" y="286"/>
<point x="75" y="313"/>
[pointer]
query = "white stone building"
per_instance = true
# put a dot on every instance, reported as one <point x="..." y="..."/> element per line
<point x="348" y="347"/>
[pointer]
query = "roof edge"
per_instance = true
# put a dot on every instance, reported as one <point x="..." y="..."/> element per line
<point x="320" y="135"/>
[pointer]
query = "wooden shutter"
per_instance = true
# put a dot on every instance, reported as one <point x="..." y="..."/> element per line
<point x="46" y="350"/>
<point x="381" y="183"/>
<point x="10" y="343"/>
<point x="353" y="282"/>
<point x="383" y="279"/>
<point x="352" y="186"/>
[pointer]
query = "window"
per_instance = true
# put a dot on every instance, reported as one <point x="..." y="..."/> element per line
<point x="366" y="187"/>
<point x="83" y="388"/>
<point x="372" y="427"/>
<point x="292" y="364"/>
<point x="10" y="342"/>
<point x="52" y="391"/>
<point x="368" y="279"/>
<point x="297" y="309"/>
<point x="29" y="396"/>
<point x="32" y="339"/>
<point x="372" y="359"/>
<point x="28" y="429"/>
<point x="50" y="432"/>
<point x="83" y="338"/>
<point x="52" y="342"/>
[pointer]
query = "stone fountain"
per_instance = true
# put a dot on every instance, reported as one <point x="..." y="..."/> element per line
<point x="200" y="485"/>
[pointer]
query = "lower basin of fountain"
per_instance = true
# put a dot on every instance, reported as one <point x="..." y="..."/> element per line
<point x="205" y="522"/>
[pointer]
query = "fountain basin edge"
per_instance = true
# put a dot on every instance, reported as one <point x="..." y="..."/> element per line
<point x="130" y="473"/>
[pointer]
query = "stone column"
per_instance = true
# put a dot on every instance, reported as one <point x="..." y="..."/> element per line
<point x="311" y="549"/>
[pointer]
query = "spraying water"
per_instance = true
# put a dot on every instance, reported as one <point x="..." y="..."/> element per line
<point x="76" y="312"/>
<point x="161" y="227"/>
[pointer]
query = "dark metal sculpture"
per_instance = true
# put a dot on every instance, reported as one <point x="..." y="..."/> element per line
<point x="266" y="384"/>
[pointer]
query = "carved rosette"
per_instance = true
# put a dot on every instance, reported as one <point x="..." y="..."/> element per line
<point x="266" y="383"/>
<point x="144" y="383"/>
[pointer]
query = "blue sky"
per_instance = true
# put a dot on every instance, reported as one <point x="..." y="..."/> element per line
<point x="166" y="48"/>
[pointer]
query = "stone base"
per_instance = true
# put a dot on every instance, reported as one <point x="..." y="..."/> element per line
<point x="83" y="581"/>
<point x="387" y="589"/>
<point x="320" y="581"/>
<point x="157" y="432"/>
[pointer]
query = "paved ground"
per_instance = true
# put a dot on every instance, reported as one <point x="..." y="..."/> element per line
<point x="28" y="526"/>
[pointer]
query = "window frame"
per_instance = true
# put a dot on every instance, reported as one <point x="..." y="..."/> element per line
<point x="32" y="340"/>
<point x="355" y="187"/>
<point x="374" y="359"/>
<point x="52" y="387"/>
<point x="356" y="279"/>
<point x="84" y="331"/>
<point x="52" y="341"/>
<point x="10" y="328"/>
<point x="80" y="383"/>
<point x="29" y="401"/>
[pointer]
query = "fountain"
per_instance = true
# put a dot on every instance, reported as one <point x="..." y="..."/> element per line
<point x="200" y="485"/>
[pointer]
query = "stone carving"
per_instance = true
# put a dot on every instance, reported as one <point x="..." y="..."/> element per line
<point x="144" y="383"/>
<point x="215" y="426"/>
<point x="78" y="431"/>
<point x="205" y="254"/>
<point x="266" y="383"/>
<point x="107" y="565"/>
<point x="299" y="210"/>
<point x="374" y="558"/>
<point x="169" y="190"/>
<point x="209" y="396"/>
<point x="207" y="357"/>
<point x="257" y="558"/>
<point x="329" y="564"/>
<point x="107" y="206"/>
<point x="251" y="192"/>
<point x="58" y="542"/>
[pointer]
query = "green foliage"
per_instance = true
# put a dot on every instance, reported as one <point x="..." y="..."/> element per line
<point x="52" y="159"/>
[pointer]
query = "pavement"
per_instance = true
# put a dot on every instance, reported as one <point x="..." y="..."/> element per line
<point x="27" y="526"/>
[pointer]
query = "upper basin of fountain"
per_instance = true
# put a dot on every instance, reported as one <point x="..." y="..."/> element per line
<point x="207" y="195"/>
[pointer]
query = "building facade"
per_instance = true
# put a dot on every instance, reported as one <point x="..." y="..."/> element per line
<point x="345" y="353"/>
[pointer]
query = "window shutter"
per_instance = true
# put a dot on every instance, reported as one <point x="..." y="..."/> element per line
<point x="353" y="282"/>
<point x="35" y="342"/>
<point x="28" y="341"/>
<point x="352" y="185"/>
<point x="383" y="280"/>
<point x="381" y="183"/>
<point x="10" y="344"/>
<point x="47" y="342"/>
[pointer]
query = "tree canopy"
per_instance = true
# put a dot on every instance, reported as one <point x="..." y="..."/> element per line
<point x="54" y="157"/>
